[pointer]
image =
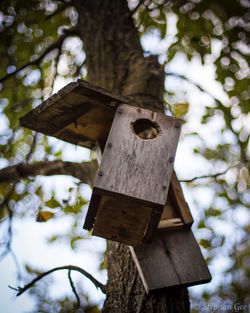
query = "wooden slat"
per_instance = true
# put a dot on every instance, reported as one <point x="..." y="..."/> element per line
<point x="122" y="220"/>
<point x="79" y="113"/>
<point x="173" y="223"/>
<point x="172" y="258"/>
<point x="176" y="197"/>
<point x="139" y="168"/>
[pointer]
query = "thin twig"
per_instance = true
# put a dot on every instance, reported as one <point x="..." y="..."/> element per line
<point x="32" y="148"/>
<point x="18" y="267"/>
<point x="140" y="3"/>
<point x="59" y="10"/>
<point x="195" y="84"/>
<point x="98" y="284"/>
<point x="74" y="289"/>
<point x="209" y="175"/>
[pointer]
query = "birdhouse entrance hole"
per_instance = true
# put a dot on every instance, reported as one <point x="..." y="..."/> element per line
<point x="145" y="129"/>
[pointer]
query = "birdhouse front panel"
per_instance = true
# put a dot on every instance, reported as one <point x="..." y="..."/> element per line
<point x="139" y="154"/>
<point x="136" y="166"/>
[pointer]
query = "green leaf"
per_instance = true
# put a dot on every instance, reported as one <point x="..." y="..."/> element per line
<point x="44" y="216"/>
<point x="206" y="244"/>
<point x="201" y="224"/>
<point x="52" y="203"/>
<point x="180" y="109"/>
<point x="76" y="207"/>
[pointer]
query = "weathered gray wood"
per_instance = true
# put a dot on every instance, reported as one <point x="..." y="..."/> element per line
<point x="131" y="196"/>
<point x="170" y="218"/>
<point x="176" y="197"/>
<point x="82" y="114"/>
<point x="79" y="113"/>
<point x="135" y="167"/>
<point x="172" y="258"/>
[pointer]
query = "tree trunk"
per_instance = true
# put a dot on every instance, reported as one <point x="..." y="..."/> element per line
<point x="115" y="61"/>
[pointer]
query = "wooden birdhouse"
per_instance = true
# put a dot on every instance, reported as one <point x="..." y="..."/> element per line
<point x="131" y="187"/>
<point x="137" y="198"/>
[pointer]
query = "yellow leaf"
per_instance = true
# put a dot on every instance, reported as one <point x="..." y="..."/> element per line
<point x="44" y="216"/>
<point x="180" y="109"/>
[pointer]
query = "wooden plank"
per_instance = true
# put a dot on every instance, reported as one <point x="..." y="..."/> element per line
<point x="79" y="113"/>
<point x="172" y="258"/>
<point x="176" y="197"/>
<point x="119" y="217"/>
<point x="125" y="156"/>
<point x="122" y="220"/>
<point x="173" y="223"/>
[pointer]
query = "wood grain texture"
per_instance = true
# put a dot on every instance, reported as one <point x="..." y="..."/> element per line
<point x="128" y="197"/>
<point x="124" y="221"/>
<point x="172" y="258"/>
<point x="120" y="218"/>
<point x="139" y="168"/>
<point x="176" y="197"/>
<point x="79" y="113"/>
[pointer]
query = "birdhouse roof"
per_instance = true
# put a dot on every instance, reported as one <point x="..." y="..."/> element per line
<point x="80" y="113"/>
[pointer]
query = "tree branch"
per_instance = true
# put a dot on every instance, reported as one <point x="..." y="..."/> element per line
<point x="85" y="171"/>
<point x="74" y="289"/>
<point x="98" y="284"/>
<point x="140" y="3"/>
<point x="208" y="175"/>
<point x="195" y="84"/>
<point x="55" y="45"/>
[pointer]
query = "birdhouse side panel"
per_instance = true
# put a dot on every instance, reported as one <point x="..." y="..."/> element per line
<point x="134" y="166"/>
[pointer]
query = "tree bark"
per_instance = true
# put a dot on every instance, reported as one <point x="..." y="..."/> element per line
<point x="84" y="171"/>
<point x="115" y="61"/>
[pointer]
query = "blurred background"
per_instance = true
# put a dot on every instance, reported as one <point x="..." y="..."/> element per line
<point x="204" y="49"/>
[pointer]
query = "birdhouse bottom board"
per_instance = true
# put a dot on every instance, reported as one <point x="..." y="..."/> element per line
<point x="121" y="218"/>
<point x="173" y="258"/>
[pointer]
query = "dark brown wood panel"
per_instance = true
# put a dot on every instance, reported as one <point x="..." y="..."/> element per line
<point x="172" y="258"/>
<point x="121" y="220"/>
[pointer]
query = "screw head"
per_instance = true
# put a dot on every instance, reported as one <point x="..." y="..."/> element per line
<point x="100" y="173"/>
<point x="171" y="159"/>
<point x="164" y="187"/>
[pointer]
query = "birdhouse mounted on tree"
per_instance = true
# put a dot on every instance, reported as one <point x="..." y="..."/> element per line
<point x="137" y="198"/>
<point x="131" y="187"/>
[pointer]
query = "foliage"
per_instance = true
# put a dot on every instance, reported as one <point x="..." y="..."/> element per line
<point x="40" y="49"/>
